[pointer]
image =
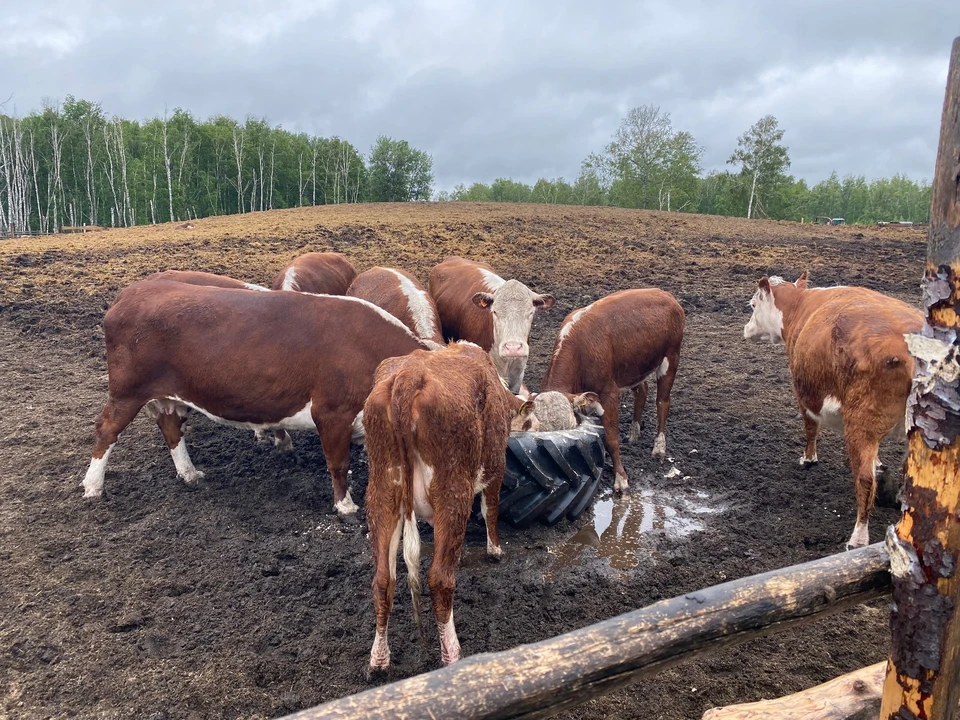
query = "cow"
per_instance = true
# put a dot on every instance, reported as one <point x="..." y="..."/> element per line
<point x="401" y="295"/>
<point x="849" y="365"/>
<point x="325" y="273"/>
<point x="555" y="411"/>
<point x="196" y="277"/>
<point x="477" y="305"/>
<point x="618" y="343"/>
<point x="437" y="425"/>
<point x="272" y="360"/>
<point x="281" y="438"/>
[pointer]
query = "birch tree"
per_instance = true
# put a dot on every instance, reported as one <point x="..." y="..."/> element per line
<point x="762" y="159"/>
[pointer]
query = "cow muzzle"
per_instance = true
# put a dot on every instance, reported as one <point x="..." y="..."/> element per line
<point x="514" y="350"/>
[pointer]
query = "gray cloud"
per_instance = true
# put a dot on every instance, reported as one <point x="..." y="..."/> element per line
<point x="508" y="89"/>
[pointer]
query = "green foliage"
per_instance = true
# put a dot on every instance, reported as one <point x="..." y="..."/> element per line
<point x="72" y="165"/>
<point x="763" y="162"/>
<point x="398" y="172"/>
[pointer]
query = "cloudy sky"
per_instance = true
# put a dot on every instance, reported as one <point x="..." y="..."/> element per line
<point x="509" y="89"/>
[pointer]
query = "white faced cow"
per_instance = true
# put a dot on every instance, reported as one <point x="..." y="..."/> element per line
<point x="850" y="368"/>
<point x="477" y="305"/>
<point x="258" y="360"/>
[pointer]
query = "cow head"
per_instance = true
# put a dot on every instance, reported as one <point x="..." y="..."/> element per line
<point x="526" y="419"/>
<point x="512" y="306"/>
<point x="556" y="410"/>
<point x="766" y="323"/>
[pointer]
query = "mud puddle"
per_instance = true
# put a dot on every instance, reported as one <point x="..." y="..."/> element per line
<point x="625" y="530"/>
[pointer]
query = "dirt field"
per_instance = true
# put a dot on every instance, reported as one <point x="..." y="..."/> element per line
<point x="247" y="599"/>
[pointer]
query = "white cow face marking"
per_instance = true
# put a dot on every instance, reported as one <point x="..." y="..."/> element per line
<point x="766" y="323"/>
<point x="512" y="306"/>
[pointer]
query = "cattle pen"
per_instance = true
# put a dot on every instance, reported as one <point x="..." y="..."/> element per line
<point x="918" y="564"/>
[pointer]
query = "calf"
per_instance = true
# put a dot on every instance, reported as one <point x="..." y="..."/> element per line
<point x="850" y="368"/>
<point x="325" y="273"/>
<point x="618" y="343"/>
<point x="196" y="277"/>
<point x="437" y="425"/>
<point x="247" y="359"/>
<point x="477" y="305"/>
<point x="401" y="295"/>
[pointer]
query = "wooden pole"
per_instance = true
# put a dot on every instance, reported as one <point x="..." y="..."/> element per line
<point x="922" y="673"/>
<point x="541" y="679"/>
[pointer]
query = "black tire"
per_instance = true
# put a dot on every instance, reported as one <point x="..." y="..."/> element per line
<point x="552" y="475"/>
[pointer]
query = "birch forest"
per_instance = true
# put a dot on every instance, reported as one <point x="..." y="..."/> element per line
<point x="70" y="165"/>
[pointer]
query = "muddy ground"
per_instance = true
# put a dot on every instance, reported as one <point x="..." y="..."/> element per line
<point x="248" y="599"/>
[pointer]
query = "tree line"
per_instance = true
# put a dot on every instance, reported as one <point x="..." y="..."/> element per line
<point x="71" y="165"/>
<point x="649" y="164"/>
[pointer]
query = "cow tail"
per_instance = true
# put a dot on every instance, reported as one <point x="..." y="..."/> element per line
<point x="405" y="416"/>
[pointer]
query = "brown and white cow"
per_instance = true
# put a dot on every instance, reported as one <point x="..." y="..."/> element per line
<point x="437" y="425"/>
<point x="618" y="343"/>
<point x="325" y="273"/>
<point x="270" y="360"/>
<point x="281" y="438"/>
<point x="197" y="277"/>
<point x="477" y="305"/>
<point x="850" y="368"/>
<point x="401" y="295"/>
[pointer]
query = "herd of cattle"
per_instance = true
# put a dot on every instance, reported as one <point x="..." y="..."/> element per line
<point x="432" y="383"/>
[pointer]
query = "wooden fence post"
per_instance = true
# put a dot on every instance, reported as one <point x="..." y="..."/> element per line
<point x="923" y="672"/>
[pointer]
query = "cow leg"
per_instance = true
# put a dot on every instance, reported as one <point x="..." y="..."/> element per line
<point x="490" y="509"/>
<point x="282" y="441"/>
<point x="664" y="386"/>
<point x="811" y="428"/>
<point x="639" y="402"/>
<point x="335" y="438"/>
<point x="610" y="402"/>
<point x="862" y="449"/>
<point x="116" y="415"/>
<point x="170" y="424"/>
<point x="451" y="513"/>
<point x="385" y="541"/>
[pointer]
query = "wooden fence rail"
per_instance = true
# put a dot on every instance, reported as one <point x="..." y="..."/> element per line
<point x="541" y="679"/>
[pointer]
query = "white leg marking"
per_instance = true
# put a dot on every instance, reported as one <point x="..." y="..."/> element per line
<point x="93" y="480"/>
<point x="860" y="536"/>
<point x="185" y="468"/>
<point x="380" y="652"/>
<point x="285" y="444"/>
<point x="804" y="460"/>
<point x="259" y="435"/>
<point x="449" y="644"/>
<point x="660" y="446"/>
<point x="346" y="506"/>
<point x="634" y="432"/>
<point x="620" y="483"/>
<point x="492" y="550"/>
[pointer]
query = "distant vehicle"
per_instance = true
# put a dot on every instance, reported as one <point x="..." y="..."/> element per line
<point x="824" y="220"/>
<point x="838" y="221"/>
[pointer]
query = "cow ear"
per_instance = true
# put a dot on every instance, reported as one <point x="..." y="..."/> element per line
<point x="483" y="300"/>
<point x="588" y="403"/>
<point x="544" y="302"/>
<point x="764" y="285"/>
<point x="802" y="280"/>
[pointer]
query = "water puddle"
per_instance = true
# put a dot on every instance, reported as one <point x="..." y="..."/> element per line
<point x="625" y="529"/>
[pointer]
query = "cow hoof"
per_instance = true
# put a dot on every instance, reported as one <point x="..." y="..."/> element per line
<point x="495" y="557"/>
<point x="634" y="432"/>
<point x="192" y="480"/>
<point x="376" y="674"/>
<point x="805" y="463"/>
